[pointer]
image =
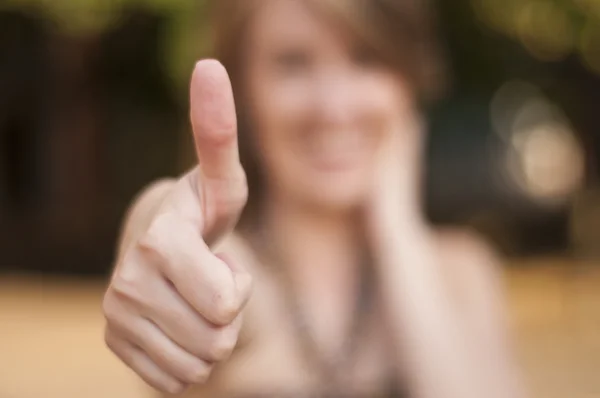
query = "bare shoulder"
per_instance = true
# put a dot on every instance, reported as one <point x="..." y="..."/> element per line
<point x="476" y="276"/>
<point x="472" y="266"/>
<point x="467" y="251"/>
<point x="465" y="244"/>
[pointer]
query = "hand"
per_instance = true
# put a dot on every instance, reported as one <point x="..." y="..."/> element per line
<point x="173" y="306"/>
<point x="395" y="202"/>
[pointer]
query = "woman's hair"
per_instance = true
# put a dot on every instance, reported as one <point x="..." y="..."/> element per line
<point x="399" y="32"/>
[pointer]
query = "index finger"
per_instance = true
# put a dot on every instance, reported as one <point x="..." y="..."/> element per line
<point x="214" y="121"/>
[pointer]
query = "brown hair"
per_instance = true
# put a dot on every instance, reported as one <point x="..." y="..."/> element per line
<point x="400" y="32"/>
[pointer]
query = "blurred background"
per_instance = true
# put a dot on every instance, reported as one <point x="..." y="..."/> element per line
<point x="94" y="104"/>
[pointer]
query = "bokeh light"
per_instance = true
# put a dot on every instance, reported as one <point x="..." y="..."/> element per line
<point x="590" y="45"/>
<point x="585" y="223"/>
<point x="551" y="162"/>
<point x="549" y="30"/>
<point x="507" y="102"/>
<point x="544" y="158"/>
<point x="499" y="15"/>
<point x="588" y="7"/>
<point x="184" y="41"/>
<point x="545" y="30"/>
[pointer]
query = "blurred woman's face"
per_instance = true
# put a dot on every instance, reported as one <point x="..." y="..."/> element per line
<point x="320" y="105"/>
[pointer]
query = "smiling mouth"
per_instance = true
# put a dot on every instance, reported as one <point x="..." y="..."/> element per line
<point x="336" y="152"/>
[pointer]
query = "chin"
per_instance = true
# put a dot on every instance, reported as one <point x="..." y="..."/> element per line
<point x="338" y="198"/>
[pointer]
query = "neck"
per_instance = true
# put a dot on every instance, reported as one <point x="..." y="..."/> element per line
<point x="314" y="244"/>
<point x="319" y="255"/>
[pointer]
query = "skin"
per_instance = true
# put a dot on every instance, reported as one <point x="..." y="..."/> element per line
<point x="192" y="309"/>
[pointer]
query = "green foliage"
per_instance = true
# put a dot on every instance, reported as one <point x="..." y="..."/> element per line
<point x="550" y="30"/>
<point x="186" y="37"/>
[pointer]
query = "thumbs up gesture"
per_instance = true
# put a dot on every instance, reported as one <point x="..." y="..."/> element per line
<point x="173" y="306"/>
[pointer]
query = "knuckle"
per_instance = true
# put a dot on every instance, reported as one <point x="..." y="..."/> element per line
<point x="150" y="241"/>
<point x="123" y="285"/>
<point x="132" y="284"/>
<point x="168" y="239"/>
<point x="107" y="307"/>
<point x="110" y="340"/>
<point x="161" y="384"/>
<point x="174" y="388"/>
<point x="225" y="308"/>
<point x="110" y="308"/>
<point x="197" y="374"/>
<point x="223" y="345"/>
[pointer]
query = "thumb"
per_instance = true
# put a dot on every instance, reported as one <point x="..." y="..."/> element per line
<point x="214" y="123"/>
<point x="220" y="179"/>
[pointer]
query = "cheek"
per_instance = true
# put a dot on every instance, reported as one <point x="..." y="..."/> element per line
<point x="384" y="103"/>
<point x="275" y="105"/>
<point x="285" y="122"/>
<point x="277" y="111"/>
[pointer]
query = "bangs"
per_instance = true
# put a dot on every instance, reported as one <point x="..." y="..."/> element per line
<point x="401" y="33"/>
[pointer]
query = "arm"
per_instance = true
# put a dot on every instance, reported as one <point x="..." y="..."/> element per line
<point x="173" y="304"/>
<point x="451" y="346"/>
<point x="137" y="221"/>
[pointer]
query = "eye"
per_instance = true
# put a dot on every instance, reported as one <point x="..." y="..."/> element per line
<point x="293" y="61"/>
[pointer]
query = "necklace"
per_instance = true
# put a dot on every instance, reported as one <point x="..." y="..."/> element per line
<point x="331" y="369"/>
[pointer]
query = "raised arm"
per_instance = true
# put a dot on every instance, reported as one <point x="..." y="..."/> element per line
<point x="173" y="305"/>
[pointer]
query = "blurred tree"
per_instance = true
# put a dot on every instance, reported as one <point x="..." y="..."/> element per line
<point x="185" y="36"/>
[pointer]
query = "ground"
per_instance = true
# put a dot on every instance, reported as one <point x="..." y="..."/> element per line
<point x="51" y="340"/>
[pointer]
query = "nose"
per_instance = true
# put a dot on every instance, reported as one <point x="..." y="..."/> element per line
<point x="334" y="98"/>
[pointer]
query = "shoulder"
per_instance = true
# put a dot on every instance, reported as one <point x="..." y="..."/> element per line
<point x="473" y="269"/>
<point x="466" y="251"/>
<point x="476" y="275"/>
<point x="464" y="244"/>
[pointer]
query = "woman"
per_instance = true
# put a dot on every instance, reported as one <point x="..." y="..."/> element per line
<point x="353" y="294"/>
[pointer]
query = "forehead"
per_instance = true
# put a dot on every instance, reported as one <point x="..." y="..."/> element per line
<point x="281" y="21"/>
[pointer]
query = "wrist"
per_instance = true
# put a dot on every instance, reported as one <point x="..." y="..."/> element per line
<point x="393" y="233"/>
